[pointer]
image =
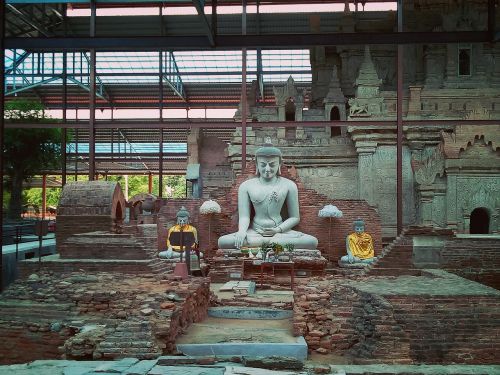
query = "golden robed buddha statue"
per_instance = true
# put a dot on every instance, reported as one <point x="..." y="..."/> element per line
<point x="359" y="246"/>
<point x="190" y="232"/>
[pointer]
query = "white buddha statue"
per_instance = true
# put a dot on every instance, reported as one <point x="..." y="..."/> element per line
<point x="267" y="194"/>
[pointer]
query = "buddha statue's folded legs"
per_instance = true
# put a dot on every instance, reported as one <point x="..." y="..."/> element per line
<point x="253" y="239"/>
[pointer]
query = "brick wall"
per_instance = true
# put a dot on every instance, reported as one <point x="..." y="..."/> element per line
<point x="450" y="329"/>
<point x="335" y="317"/>
<point x="68" y="225"/>
<point x="138" y="319"/>
<point x="25" y="342"/>
<point x="99" y="245"/>
<point x="476" y="259"/>
<point x="88" y="207"/>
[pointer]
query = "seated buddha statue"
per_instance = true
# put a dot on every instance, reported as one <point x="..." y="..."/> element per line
<point x="173" y="249"/>
<point x="359" y="246"/>
<point x="267" y="193"/>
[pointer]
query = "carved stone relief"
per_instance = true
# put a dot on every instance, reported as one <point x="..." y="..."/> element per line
<point x="427" y="169"/>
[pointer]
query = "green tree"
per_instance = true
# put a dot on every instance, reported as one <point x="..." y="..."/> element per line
<point x="27" y="151"/>
<point x="139" y="184"/>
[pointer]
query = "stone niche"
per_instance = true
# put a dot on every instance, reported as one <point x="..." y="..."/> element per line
<point x="89" y="206"/>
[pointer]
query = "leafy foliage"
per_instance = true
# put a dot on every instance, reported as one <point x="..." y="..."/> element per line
<point x="27" y="151"/>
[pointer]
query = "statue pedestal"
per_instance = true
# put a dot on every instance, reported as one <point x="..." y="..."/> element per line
<point x="229" y="266"/>
<point x="181" y="270"/>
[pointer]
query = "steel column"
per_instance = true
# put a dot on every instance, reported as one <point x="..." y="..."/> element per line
<point x="2" y="98"/>
<point x="160" y="105"/>
<point x="44" y="195"/>
<point x="92" y="67"/>
<point x="244" y="90"/>
<point x="492" y="20"/>
<point x="399" y="114"/>
<point x="64" y="115"/>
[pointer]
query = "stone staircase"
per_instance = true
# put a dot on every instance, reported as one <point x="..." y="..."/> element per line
<point x="130" y="339"/>
<point x="395" y="259"/>
<point x="128" y="253"/>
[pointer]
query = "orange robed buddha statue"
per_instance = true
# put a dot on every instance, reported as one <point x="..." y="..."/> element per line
<point x="359" y="246"/>
<point x="174" y="251"/>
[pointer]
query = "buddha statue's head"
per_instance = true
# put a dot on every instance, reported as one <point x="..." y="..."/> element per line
<point x="359" y="226"/>
<point x="268" y="160"/>
<point x="182" y="216"/>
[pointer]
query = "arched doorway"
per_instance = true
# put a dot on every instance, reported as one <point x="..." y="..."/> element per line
<point x="118" y="211"/>
<point x="289" y="110"/>
<point x="479" y="221"/>
<point x="335" y="131"/>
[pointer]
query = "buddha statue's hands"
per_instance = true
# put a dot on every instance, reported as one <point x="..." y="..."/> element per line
<point x="268" y="232"/>
<point x="239" y="238"/>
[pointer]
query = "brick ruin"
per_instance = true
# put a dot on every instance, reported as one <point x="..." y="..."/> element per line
<point x="433" y="318"/>
<point x="107" y="295"/>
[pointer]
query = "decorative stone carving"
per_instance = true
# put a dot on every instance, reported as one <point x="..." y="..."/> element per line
<point x="289" y="91"/>
<point x="368" y="101"/>
<point x="335" y="97"/>
<point x="426" y="171"/>
<point x="478" y="113"/>
<point x="464" y="135"/>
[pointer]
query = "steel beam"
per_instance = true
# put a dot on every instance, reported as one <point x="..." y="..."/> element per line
<point x="274" y="41"/>
<point x="29" y="21"/>
<point x="200" y="8"/>
<point x="85" y="87"/>
<point x="173" y="125"/>
<point x="32" y="86"/>
<point x="17" y="62"/>
<point x="172" y="70"/>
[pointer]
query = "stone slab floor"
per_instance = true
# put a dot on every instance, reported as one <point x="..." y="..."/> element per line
<point x="131" y="366"/>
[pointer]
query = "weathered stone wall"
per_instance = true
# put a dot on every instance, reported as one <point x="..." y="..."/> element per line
<point x="216" y="170"/>
<point x="88" y="207"/>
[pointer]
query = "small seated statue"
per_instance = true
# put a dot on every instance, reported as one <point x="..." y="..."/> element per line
<point x="267" y="194"/>
<point x="174" y="251"/>
<point x="359" y="246"/>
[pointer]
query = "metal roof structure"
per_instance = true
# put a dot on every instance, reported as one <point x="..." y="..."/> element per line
<point x="162" y="60"/>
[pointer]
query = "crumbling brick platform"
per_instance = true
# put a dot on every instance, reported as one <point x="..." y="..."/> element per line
<point x="433" y="318"/>
<point x="98" y="315"/>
